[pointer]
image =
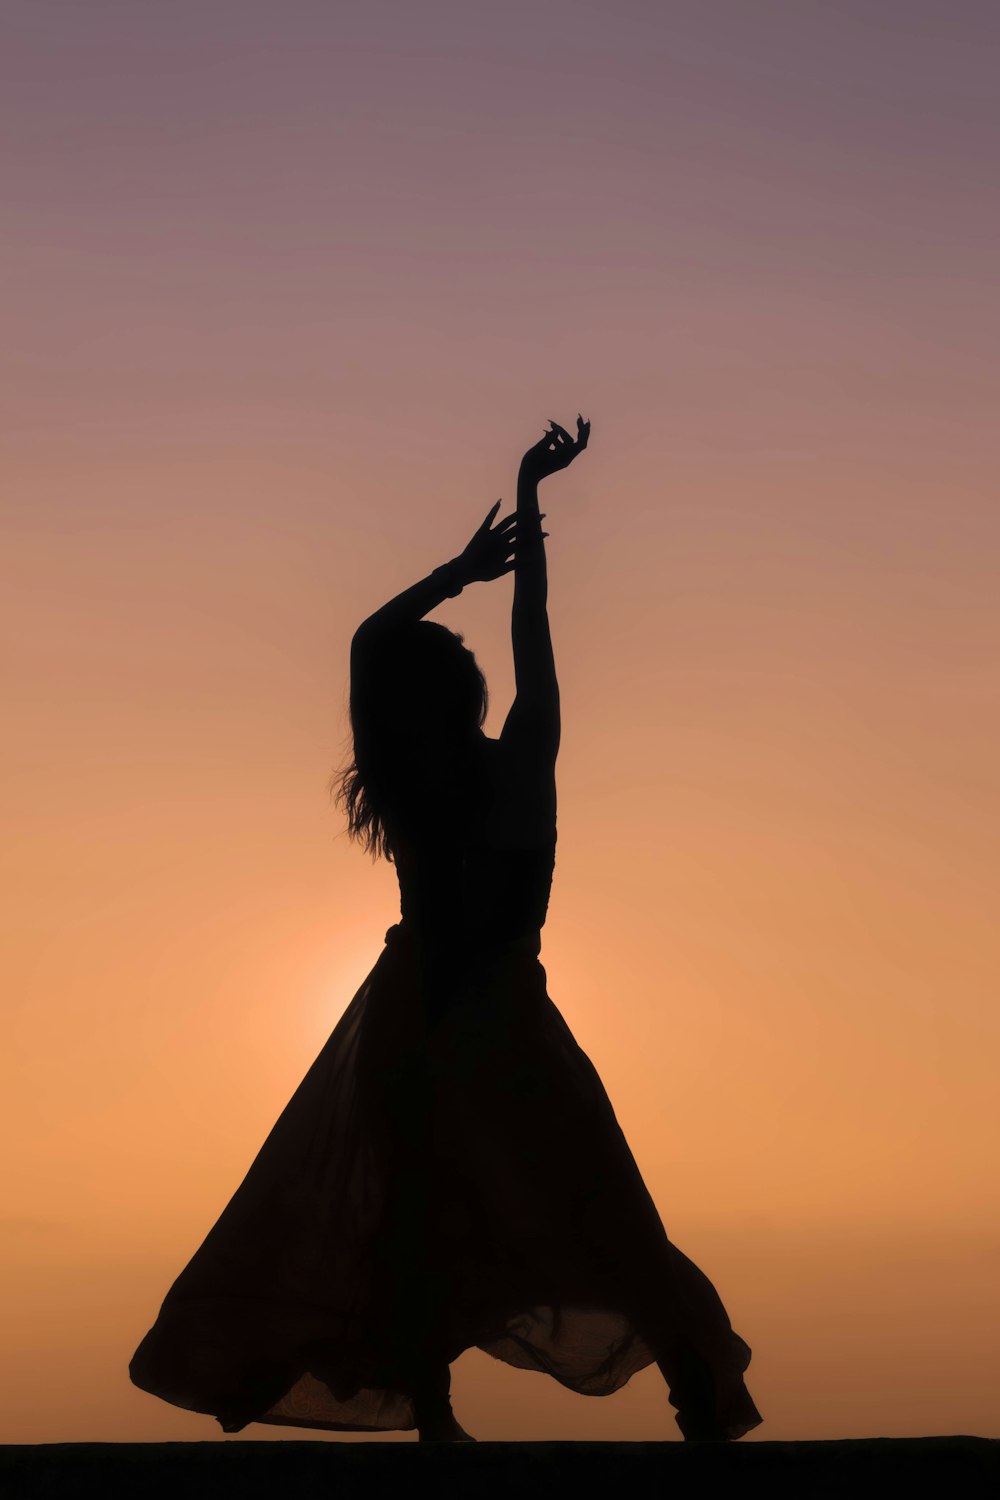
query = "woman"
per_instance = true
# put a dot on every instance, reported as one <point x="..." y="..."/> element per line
<point x="450" y="1172"/>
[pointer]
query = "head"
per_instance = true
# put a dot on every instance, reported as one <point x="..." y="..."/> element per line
<point x="435" y="683"/>
<point x="415" y="719"/>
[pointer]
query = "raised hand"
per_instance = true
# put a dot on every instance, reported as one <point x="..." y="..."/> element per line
<point x="555" y="451"/>
<point x="490" y="553"/>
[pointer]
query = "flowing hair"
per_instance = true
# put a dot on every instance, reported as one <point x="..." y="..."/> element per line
<point x="417" y="697"/>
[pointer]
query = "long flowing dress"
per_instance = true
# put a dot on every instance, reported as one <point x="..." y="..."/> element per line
<point x="449" y="1173"/>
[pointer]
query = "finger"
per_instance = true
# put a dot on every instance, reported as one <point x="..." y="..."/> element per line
<point x="509" y="567"/>
<point x="492" y="512"/>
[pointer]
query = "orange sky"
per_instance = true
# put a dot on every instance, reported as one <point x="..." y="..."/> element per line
<point x="290" y="288"/>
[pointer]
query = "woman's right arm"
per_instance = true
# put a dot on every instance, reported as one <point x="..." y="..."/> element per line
<point x="532" y="728"/>
<point x="532" y="724"/>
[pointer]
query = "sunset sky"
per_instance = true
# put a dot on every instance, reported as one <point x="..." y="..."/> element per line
<point x="288" y="289"/>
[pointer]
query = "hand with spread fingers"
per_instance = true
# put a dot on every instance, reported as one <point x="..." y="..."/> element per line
<point x="490" y="553"/>
<point x="555" y="451"/>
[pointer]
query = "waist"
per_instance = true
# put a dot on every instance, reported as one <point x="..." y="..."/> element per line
<point x="460" y="947"/>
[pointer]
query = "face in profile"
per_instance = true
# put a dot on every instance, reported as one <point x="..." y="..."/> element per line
<point x="441" y="692"/>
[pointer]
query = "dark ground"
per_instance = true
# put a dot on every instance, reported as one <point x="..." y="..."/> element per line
<point x="953" y="1467"/>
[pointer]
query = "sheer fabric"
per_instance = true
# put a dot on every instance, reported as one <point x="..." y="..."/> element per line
<point x="449" y="1174"/>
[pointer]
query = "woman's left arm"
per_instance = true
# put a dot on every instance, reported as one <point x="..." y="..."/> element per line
<point x="488" y="555"/>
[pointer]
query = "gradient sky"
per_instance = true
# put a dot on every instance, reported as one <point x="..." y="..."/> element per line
<point x="288" y="288"/>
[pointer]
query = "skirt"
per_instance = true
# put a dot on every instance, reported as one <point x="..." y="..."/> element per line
<point x="431" y="1188"/>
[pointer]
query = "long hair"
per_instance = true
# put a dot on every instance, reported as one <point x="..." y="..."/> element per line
<point x="418" y="698"/>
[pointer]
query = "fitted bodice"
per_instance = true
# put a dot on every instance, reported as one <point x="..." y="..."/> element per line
<point x="471" y="899"/>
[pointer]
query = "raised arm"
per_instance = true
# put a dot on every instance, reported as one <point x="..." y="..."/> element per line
<point x="532" y="727"/>
<point x="486" y="556"/>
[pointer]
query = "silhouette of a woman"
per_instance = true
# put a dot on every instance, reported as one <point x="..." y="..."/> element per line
<point x="450" y="1173"/>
